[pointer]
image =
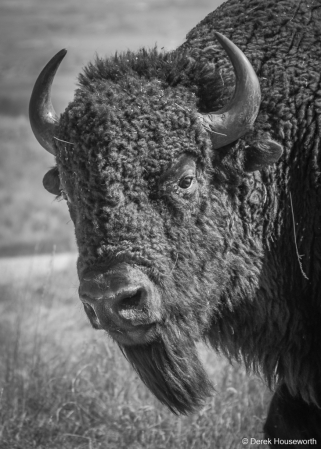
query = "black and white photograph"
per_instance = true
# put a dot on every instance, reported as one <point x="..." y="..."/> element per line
<point x="160" y="224"/>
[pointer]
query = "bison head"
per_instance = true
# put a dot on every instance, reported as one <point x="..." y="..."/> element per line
<point x="161" y="251"/>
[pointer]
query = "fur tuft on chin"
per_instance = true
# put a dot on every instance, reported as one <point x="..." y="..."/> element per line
<point x="172" y="371"/>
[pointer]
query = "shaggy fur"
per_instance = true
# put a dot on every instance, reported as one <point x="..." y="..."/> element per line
<point x="282" y="41"/>
<point x="171" y="369"/>
<point x="238" y="262"/>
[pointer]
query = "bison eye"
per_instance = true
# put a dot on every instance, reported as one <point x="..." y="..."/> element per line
<point x="186" y="182"/>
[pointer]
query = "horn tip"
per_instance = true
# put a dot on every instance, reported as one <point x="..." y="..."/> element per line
<point x="218" y="34"/>
<point x="61" y="54"/>
<point x="56" y="60"/>
<point x="221" y="38"/>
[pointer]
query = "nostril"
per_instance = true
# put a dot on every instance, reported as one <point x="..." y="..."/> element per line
<point x="131" y="306"/>
<point x="92" y="316"/>
<point x="132" y="301"/>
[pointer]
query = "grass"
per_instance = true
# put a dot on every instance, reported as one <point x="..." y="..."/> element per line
<point x="62" y="384"/>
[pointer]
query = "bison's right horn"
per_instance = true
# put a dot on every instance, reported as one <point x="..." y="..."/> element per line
<point x="237" y="117"/>
<point x="43" y="118"/>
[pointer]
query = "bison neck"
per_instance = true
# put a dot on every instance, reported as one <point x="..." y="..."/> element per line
<point x="270" y="314"/>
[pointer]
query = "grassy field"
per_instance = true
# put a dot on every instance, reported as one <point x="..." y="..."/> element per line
<point x="30" y="220"/>
<point x="64" y="385"/>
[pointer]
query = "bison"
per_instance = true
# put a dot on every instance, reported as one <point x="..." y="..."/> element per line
<point x="193" y="179"/>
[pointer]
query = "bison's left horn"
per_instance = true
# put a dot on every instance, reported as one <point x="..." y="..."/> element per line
<point x="237" y="117"/>
<point x="43" y="118"/>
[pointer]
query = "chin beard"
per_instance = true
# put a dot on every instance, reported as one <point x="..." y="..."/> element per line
<point x="171" y="369"/>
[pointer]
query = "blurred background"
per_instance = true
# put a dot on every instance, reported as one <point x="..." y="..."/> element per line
<point x="31" y="32"/>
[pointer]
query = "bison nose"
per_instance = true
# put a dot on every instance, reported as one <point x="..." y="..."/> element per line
<point x="122" y="296"/>
<point x="128" y="303"/>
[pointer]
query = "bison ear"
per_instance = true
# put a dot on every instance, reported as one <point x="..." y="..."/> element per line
<point x="260" y="154"/>
<point x="51" y="181"/>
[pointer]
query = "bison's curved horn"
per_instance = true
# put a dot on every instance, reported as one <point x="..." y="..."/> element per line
<point x="237" y="117"/>
<point x="43" y="118"/>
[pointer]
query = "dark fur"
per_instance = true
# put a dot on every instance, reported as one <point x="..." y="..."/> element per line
<point x="290" y="417"/>
<point x="171" y="369"/>
<point x="226" y="260"/>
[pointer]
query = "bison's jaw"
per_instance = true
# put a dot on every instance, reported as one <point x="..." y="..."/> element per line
<point x="123" y="301"/>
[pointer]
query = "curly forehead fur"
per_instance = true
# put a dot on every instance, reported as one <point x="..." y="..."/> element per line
<point x="135" y="116"/>
<point x="121" y="108"/>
